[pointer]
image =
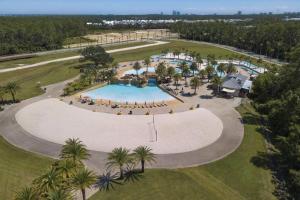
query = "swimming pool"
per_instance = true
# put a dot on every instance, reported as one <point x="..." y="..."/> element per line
<point x="129" y="93"/>
<point x="141" y="71"/>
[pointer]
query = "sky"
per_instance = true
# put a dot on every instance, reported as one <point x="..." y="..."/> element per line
<point x="146" y="6"/>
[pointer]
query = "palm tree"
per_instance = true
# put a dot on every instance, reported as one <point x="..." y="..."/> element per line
<point x="74" y="150"/>
<point x="106" y="181"/>
<point x="2" y="93"/>
<point x="231" y="69"/>
<point x="194" y="68"/>
<point x="147" y="62"/>
<point x="48" y="182"/>
<point x="199" y="59"/>
<point x="118" y="158"/>
<point x="161" y="71"/>
<point x="171" y="72"/>
<point x="82" y="180"/>
<point x="177" y="77"/>
<point x="27" y="193"/>
<point x="177" y="53"/>
<point x="217" y="81"/>
<point x="12" y="88"/>
<point x="195" y="83"/>
<point x="210" y="70"/>
<point x="66" y="168"/>
<point x="165" y="51"/>
<point x="185" y="73"/>
<point x="202" y="73"/>
<point x="137" y="67"/>
<point x="143" y="154"/>
<point x="221" y="68"/>
<point x="60" y="194"/>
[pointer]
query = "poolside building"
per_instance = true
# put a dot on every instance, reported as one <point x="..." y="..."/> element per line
<point x="236" y="85"/>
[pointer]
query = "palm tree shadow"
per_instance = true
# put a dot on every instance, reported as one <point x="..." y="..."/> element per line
<point x="206" y="96"/>
<point x="132" y="175"/>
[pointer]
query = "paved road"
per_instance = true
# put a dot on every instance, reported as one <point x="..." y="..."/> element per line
<point x="156" y="43"/>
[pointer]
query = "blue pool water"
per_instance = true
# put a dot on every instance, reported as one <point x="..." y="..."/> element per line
<point x="128" y="93"/>
<point x="141" y="71"/>
<point x="178" y="62"/>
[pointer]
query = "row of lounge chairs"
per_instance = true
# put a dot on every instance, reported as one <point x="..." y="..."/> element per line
<point x="130" y="106"/>
<point x="170" y="90"/>
<point x="138" y="106"/>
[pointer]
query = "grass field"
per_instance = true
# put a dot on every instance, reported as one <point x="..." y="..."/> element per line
<point x="28" y="79"/>
<point x="52" y="56"/>
<point x="37" y="59"/>
<point x="18" y="168"/>
<point x="234" y="177"/>
<point x="203" y="49"/>
<point x="56" y="72"/>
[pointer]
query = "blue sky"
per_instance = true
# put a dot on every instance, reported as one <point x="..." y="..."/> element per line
<point x="145" y="6"/>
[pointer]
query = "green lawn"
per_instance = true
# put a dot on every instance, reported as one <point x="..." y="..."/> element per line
<point x="52" y="56"/>
<point x="18" y="168"/>
<point x="28" y="79"/>
<point x="37" y="59"/>
<point x="203" y="49"/>
<point x="234" y="177"/>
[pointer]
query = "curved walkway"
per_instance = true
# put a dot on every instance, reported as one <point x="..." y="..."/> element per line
<point x="230" y="139"/>
<point x="156" y="43"/>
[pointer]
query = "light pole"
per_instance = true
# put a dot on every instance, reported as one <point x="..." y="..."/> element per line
<point x="154" y="128"/>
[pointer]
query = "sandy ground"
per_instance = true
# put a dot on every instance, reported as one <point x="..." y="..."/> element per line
<point x="139" y="35"/>
<point x="57" y="121"/>
<point x="156" y="43"/>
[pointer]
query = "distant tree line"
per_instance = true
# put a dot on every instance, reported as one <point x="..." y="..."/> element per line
<point x="271" y="37"/>
<point x="276" y="95"/>
<point x="31" y="34"/>
<point x="97" y="18"/>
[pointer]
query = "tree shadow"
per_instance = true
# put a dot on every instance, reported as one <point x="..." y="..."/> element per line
<point x="206" y="96"/>
<point x="132" y="175"/>
<point x="250" y="118"/>
<point x="262" y="160"/>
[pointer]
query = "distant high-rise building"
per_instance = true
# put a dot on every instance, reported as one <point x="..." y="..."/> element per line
<point x="239" y="12"/>
<point x="175" y="12"/>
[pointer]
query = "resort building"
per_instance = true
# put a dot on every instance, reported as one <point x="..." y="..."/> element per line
<point x="236" y="85"/>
